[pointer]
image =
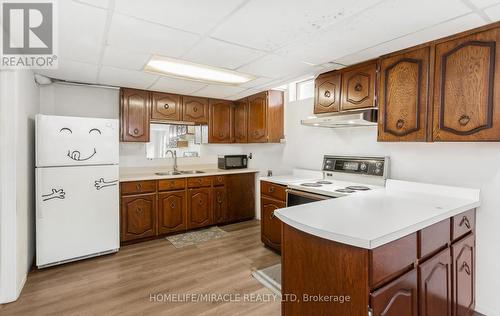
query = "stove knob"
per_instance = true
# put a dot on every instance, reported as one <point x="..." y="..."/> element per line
<point x="378" y="164"/>
<point x="363" y="166"/>
<point x="378" y="170"/>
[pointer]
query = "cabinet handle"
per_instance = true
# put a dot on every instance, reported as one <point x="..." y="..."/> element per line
<point x="166" y="106"/>
<point x="138" y="186"/>
<point x="271" y="216"/>
<point x="200" y="202"/>
<point x="138" y="210"/>
<point x="400" y="123"/>
<point x="195" y="109"/>
<point x="221" y="134"/>
<point x="327" y="94"/>
<point x="465" y="267"/>
<point x="464" y="120"/>
<point x="465" y="221"/>
<point x="271" y="189"/>
<point x="172" y="205"/>
<point x="358" y="87"/>
<point x="136" y="131"/>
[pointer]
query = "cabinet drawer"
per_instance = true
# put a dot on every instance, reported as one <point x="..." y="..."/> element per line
<point x="273" y="190"/>
<point x="392" y="259"/>
<point x="400" y="297"/>
<point x="135" y="187"/>
<point x="462" y="224"/>
<point x="171" y="184"/>
<point x="199" y="182"/>
<point x="219" y="180"/>
<point x="434" y="238"/>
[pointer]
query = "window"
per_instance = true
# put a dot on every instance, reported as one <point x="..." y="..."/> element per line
<point x="305" y="89"/>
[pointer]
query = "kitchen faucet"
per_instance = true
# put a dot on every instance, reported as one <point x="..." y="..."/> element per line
<point x="174" y="155"/>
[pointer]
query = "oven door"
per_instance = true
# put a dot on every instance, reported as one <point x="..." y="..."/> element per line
<point x="296" y="197"/>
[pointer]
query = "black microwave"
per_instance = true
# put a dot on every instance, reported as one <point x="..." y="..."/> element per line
<point x="232" y="161"/>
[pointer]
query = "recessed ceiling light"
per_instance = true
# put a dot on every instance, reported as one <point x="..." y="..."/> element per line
<point x="187" y="70"/>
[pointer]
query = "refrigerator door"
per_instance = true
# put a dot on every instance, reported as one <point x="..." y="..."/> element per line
<point x="77" y="212"/>
<point x="75" y="141"/>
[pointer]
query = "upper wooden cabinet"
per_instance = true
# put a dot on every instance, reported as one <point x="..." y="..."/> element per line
<point x="467" y="88"/>
<point x="403" y="96"/>
<point x="166" y="106"/>
<point x="265" y="117"/>
<point x="358" y="86"/>
<point x="220" y="125"/>
<point x="327" y="92"/>
<point x="134" y="115"/>
<point x="195" y="109"/>
<point x="240" y="121"/>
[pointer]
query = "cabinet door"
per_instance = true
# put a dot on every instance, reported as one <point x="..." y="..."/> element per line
<point x="134" y="115"/>
<point x="467" y="88"/>
<point x="270" y="225"/>
<point x="257" y="118"/>
<point x="220" y="205"/>
<point x="195" y="109"/>
<point x="171" y="214"/>
<point x="358" y="87"/>
<point x="220" y="124"/>
<point x="435" y="285"/>
<point x="403" y="96"/>
<point x="240" y="196"/>
<point x="327" y="93"/>
<point x="398" y="298"/>
<point x="138" y="216"/>
<point x="199" y="208"/>
<point x="241" y="121"/>
<point x="165" y="106"/>
<point x="464" y="277"/>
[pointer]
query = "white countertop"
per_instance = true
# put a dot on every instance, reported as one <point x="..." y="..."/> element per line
<point x="148" y="173"/>
<point x="297" y="176"/>
<point x="373" y="218"/>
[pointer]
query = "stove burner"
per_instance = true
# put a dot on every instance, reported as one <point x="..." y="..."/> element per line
<point x="312" y="184"/>
<point x="358" y="188"/>
<point x="323" y="182"/>
<point x="345" y="190"/>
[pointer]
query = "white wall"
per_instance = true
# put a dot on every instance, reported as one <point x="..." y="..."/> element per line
<point x="19" y="97"/>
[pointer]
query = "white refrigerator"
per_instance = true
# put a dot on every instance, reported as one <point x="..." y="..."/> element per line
<point x="77" y="188"/>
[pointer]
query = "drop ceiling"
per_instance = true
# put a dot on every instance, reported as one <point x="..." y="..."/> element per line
<point x="277" y="41"/>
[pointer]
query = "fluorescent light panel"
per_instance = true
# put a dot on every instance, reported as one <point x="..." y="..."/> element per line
<point x="187" y="70"/>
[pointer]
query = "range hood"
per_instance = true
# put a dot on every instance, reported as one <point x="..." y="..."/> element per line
<point x="357" y="118"/>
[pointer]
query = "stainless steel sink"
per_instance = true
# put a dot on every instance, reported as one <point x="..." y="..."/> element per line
<point x="168" y="173"/>
<point x="192" y="171"/>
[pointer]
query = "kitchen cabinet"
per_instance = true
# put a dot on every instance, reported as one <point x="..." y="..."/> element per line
<point x="466" y="89"/>
<point x="199" y="212"/>
<point x="138" y="216"/>
<point x="397" y="298"/>
<point x="464" y="276"/>
<point x="358" y="86"/>
<point x="195" y="109"/>
<point x="265" y="117"/>
<point x="165" y="107"/>
<point x="403" y="95"/>
<point x="270" y="224"/>
<point x="134" y="115"/>
<point x="240" y="196"/>
<point x="171" y="211"/>
<point x="327" y="92"/>
<point x="220" y="126"/>
<point x="435" y="285"/>
<point x="240" y="118"/>
<point x="220" y="205"/>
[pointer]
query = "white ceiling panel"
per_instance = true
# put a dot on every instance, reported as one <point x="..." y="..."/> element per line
<point x="197" y="16"/>
<point x="96" y="3"/>
<point x="483" y="3"/>
<point x="243" y="94"/>
<point x="454" y="26"/>
<point x="388" y="21"/>
<point x="174" y="85"/>
<point x="80" y="31"/>
<point x="267" y="25"/>
<point x="274" y="66"/>
<point x="217" y="53"/>
<point x="121" y="58"/>
<point x="493" y="12"/>
<point x="72" y="71"/>
<point x="125" y="78"/>
<point x="256" y="82"/>
<point x="140" y="36"/>
<point x="218" y="91"/>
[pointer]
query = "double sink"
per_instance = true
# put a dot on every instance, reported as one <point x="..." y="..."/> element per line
<point x="176" y="173"/>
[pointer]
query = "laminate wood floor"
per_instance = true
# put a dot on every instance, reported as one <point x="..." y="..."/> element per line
<point x="122" y="283"/>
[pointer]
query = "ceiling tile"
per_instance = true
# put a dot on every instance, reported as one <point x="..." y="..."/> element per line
<point x="274" y="66"/>
<point x="96" y="3"/>
<point x="122" y="58"/>
<point x="268" y="25"/>
<point x="140" y="36"/>
<point x="376" y="25"/>
<point x="217" y="53"/>
<point x="80" y="31"/>
<point x="256" y="82"/>
<point x="72" y="71"/>
<point x="125" y="78"/>
<point x="166" y="84"/>
<point x="191" y="15"/>
<point x="243" y="94"/>
<point x="451" y="27"/>
<point x="218" y="91"/>
<point x="483" y="3"/>
<point x="493" y="12"/>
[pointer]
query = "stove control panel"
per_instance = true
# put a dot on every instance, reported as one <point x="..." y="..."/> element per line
<point x="356" y="165"/>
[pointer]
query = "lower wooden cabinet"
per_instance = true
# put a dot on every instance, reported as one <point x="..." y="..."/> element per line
<point x="220" y="205"/>
<point x="199" y="212"/>
<point x="171" y="212"/>
<point x="435" y="285"/>
<point x="463" y="253"/>
<point x="138" y="216"/>
<point x="270" y="224"/>
<point x="398" y="298"/>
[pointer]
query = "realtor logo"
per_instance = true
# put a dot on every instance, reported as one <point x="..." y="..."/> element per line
<point x="28" y="39"/>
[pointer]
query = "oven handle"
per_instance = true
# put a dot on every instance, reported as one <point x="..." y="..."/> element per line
<point x="313" y="196"/>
